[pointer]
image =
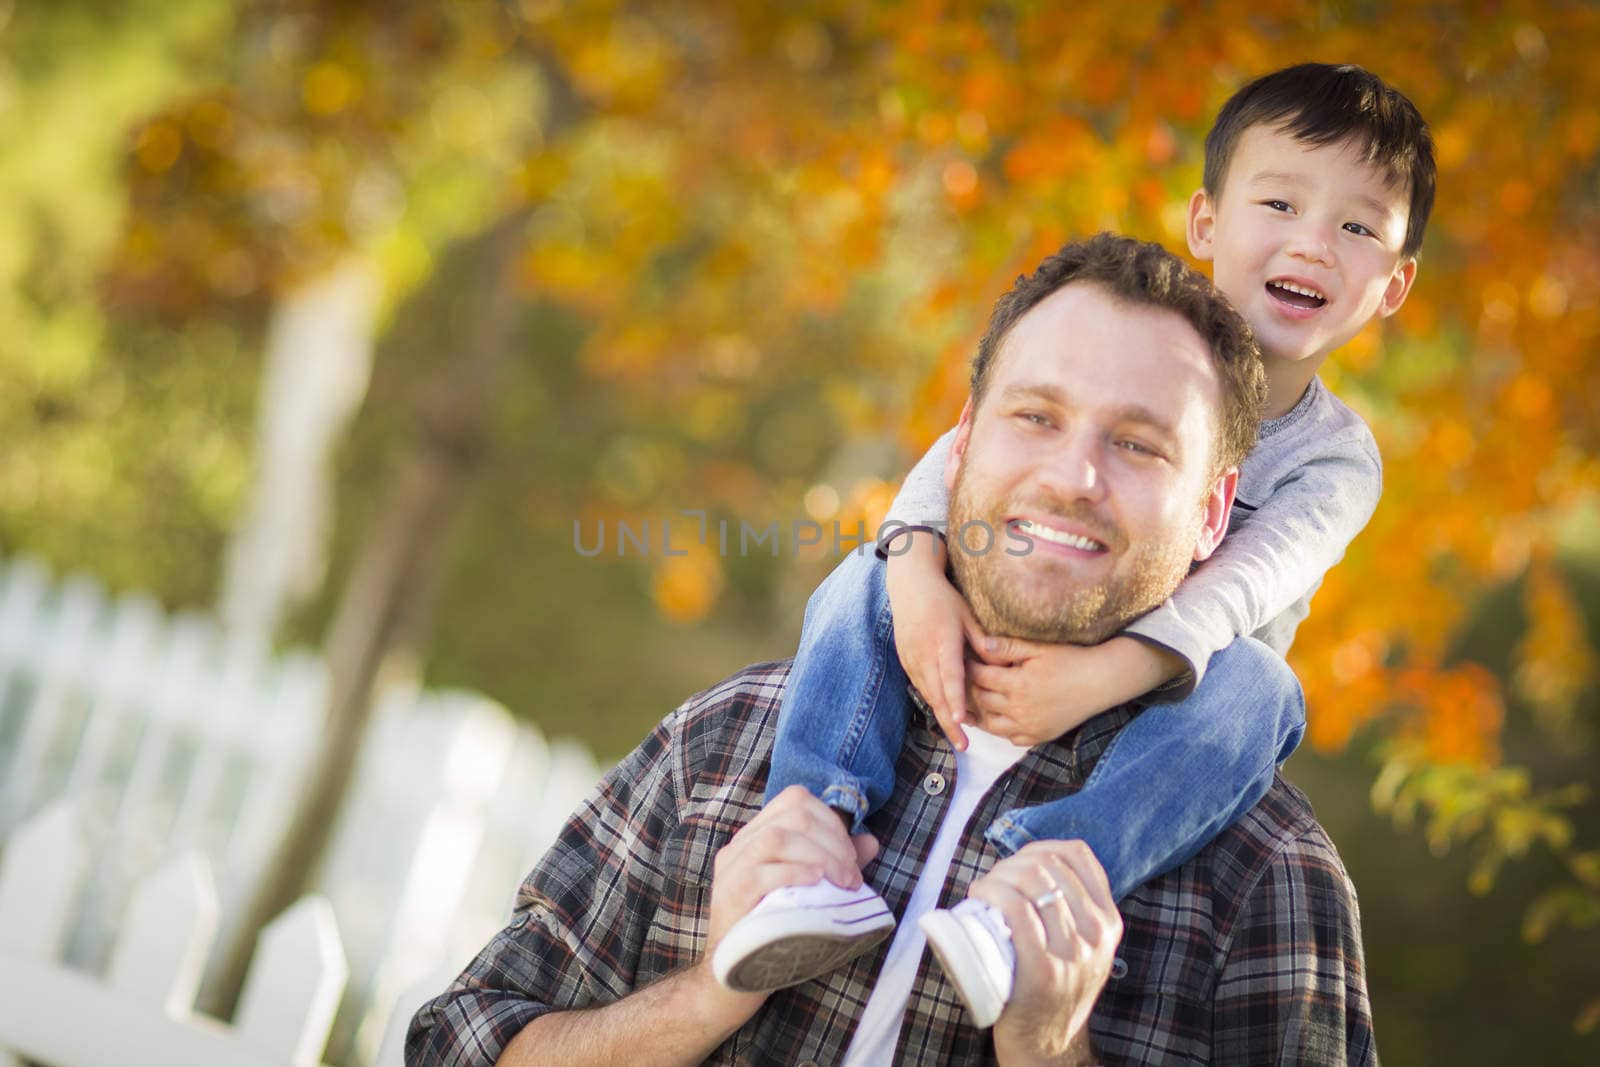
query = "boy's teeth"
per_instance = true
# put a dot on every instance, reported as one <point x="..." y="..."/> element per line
<point x="1060" y="537"/>
<point x="1301" y="290"/>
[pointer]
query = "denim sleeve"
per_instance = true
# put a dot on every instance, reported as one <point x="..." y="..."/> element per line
<point x="1178" y="774"/>
<point x="842" y="719"/>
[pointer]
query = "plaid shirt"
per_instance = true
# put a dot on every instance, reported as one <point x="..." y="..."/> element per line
<point x="1249" y="953"/>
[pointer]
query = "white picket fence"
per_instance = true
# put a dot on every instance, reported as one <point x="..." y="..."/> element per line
<point x="142" y="1011"/>
<point x="167" y="739"/>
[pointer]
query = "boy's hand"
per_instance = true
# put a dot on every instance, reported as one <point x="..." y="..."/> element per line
<point x="1030" y="693"/>
<point x="932" y="626"/>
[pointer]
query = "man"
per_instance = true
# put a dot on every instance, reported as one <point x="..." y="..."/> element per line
<point x="1249" y="952"/>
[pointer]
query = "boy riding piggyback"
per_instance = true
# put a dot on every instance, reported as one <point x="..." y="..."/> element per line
<point x="1317" y="187"/>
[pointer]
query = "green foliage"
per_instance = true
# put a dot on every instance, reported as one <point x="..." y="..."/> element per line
<point x="126" y="446"/>
<point x="1493" y="809"/>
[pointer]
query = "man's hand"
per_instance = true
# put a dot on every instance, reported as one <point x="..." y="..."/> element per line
<point x="795" y="840"/>
<point x="1065" y="929"/>
<point x="1030" y="693"/>
<point x="932" y="626"/>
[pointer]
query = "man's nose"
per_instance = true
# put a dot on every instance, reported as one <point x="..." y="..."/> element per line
<point x="1075" y="470"/>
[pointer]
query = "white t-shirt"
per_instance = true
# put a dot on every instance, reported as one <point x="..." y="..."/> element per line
<point x="987" y="757"/>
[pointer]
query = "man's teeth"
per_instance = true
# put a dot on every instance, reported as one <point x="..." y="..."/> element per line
<point x="1303" y="290"/>
<point x="1059" y="537"/>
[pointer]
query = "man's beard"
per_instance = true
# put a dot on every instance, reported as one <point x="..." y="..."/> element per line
<point x="1036" y="597"/>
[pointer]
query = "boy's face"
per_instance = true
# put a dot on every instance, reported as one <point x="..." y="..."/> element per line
<point x="1305" y="241"/>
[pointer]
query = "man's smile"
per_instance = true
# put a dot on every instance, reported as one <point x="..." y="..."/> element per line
<point x="1057" y="536"/>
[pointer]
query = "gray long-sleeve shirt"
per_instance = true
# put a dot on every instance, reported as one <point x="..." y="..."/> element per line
<point x="1305" y="491"/>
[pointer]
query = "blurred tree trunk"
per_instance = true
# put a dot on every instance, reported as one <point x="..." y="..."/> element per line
<point x="397" y="570"/>
<point x="318" y="362"/>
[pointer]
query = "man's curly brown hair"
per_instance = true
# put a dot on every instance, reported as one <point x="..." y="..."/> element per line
<point x="1145" y="274"/>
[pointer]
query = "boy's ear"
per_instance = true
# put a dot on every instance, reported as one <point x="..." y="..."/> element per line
<point x="958" y="447"/>
<point x="1399" y="285"/>
<point x="1202" y="225"/>
<point x="1214" y="510"/>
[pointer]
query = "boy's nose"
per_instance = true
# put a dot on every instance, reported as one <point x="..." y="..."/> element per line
<point x="1312" y="245"/>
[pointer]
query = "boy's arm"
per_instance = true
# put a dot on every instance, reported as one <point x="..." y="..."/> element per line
<point x="923" y="499"/>
<point x="932" y="620"/>
<point x="1030" y="692"/>
<point x="1277" y="557"/>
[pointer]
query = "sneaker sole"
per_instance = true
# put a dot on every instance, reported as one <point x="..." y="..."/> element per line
<point x="957" y="955"/>
<point x="813" y="944"/>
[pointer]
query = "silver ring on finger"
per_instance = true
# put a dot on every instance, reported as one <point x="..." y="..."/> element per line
<point x="1044" y="900"/>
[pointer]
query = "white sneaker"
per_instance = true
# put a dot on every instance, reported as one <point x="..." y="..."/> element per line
<point x="973" y="944"/>
<point x="798" y="932"/>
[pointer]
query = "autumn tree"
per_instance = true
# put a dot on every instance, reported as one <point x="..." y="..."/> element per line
<point x="640" y="259"/>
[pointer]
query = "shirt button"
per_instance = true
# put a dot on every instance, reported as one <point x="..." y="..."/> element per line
<point x="1119" y="968"/>
<point x="933" y="784"/>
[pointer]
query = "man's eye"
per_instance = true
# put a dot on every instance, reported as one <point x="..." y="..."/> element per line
<point x="1136" y="447"/>
<point x="1035" y="418"/>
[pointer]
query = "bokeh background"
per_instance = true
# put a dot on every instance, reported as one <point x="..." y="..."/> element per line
<point x="363" y="323"/>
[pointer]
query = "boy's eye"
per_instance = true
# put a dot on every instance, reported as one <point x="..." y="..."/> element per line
<point x="1278" y="205"/>
<point x="1359" y="230"/>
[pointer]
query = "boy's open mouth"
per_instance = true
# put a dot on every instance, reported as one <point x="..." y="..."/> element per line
<point x="1296" y="295"/>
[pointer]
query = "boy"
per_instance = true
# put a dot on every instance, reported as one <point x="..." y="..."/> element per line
<point x="1318" y="184"/>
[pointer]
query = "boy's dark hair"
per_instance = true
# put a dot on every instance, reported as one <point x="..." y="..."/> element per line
<point x="1321" y="104"/>
<point x="1146" y="274"/>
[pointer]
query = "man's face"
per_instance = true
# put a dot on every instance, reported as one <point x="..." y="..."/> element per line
<point x="1095" y="440"/>
<point x="1305" y="242"/>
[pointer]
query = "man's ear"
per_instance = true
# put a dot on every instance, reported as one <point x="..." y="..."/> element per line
<point x="1394" y="294"/>
<point x="1215" y="508"/>
<point x="958" y="447"/>
<point x="1202" y="225"/>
